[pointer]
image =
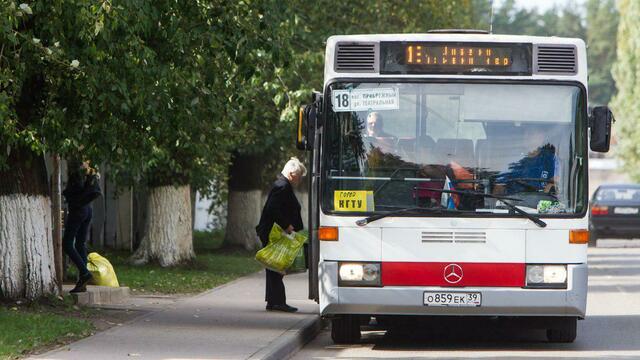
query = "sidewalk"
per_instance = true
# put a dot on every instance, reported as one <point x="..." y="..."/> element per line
<point x="228" y="322"/>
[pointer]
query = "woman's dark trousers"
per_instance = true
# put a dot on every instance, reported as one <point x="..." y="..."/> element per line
<point x="274" y="294"/>
<point x="275" y="289"/>
<point x="76" y="229"/>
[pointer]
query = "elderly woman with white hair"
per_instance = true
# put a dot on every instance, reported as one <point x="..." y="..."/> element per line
<point x="282" y="207"/>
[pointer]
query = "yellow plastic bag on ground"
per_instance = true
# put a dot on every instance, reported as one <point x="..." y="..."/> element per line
<point x="102" y="271"/>
<point x="282" y="249"/>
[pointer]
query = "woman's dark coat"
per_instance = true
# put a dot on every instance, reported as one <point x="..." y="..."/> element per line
<point x="81" y="191"/>
<point x="281" y="208"/>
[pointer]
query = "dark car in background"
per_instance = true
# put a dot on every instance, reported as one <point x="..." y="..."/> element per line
<point x="615" y="212"/>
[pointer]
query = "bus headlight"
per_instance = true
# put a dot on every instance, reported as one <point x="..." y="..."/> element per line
<point x="547" y="276"/>
<point x="358" y="274"/>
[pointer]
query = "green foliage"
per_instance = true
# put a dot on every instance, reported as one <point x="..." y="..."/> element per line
<point x="602" y="18"/>
<point x="165" y="90"/>
<point x="316" y="21"/>
<point x="151" y="87"/>
<point x="278" y="91"/>
<point x="626" y="74"/>
<point x="557" y="21"/>
<point x="509" y="19"/>
<point x="597" y="28"/>
<point x="26" y="329"/>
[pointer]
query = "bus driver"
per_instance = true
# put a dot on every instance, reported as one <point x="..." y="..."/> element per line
<point x="537" y="171"/>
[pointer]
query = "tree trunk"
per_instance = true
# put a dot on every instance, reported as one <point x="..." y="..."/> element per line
<point x="168" y="237"/>
<point x="27" y="267"/>
<point x="244" y="204"/>
<point x="243" y="214"/>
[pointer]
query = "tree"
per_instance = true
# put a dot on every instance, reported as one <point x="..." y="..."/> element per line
<point x="180" y="74"/>
<point x="26" y="248"/>
<point x="602" y="21"/>
<point x="266" y="139"/>
<point x="130" y="84"/>
<point x="570" y="21"/>
<point x="289" y="80"/>
<point x="159" y="90"/>
<point x="597" y="28"/>
<point x="508" y="19"/>
<point x="626" y="74"/>
<point x="557" y="21"/>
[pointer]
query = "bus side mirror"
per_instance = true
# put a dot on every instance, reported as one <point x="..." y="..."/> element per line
<point x="306" y="126"/>
<point x="600" y="123"/>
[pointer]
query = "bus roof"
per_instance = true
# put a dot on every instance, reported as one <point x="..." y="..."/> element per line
<point x="549" y="59"/>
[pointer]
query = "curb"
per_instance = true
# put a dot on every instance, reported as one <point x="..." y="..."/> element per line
<point x="292" y="340"/>
<point x="101" y="295"/>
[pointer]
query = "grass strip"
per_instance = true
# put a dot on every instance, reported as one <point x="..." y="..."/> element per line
<point x="213" y="266"/>
<point x="207" y="271"/>
<point x="24" y="329"/>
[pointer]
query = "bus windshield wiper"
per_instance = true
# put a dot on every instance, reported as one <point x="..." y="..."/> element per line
<point x="516" y="209"/>
<point x="418" y="209"/>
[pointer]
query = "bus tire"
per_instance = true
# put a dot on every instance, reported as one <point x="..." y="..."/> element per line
<point x="564" y="332"/>
<point x="345" y="329"/>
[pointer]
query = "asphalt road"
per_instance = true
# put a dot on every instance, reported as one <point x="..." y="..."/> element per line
<point x="611" y="329"/>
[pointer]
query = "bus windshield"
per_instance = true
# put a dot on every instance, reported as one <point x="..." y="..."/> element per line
<point x="389" y="146"/>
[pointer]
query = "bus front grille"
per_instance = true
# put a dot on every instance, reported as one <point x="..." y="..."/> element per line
<point x="555" y="59"/>
<point x="356" y="57"/>
<point x="454" y="237"/>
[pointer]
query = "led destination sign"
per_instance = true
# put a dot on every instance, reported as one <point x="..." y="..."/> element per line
<point x="448" y="55"/>
<point x="455" y="58"/>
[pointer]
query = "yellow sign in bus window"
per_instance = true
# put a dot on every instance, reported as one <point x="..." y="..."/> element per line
<point x="353" y="200"/>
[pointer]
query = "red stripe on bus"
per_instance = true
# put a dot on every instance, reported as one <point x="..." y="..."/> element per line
<point x="472" y="274"/>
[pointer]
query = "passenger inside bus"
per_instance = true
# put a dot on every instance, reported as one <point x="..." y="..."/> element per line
<point x="375" y="126"/>
<point x="376" y="137"/>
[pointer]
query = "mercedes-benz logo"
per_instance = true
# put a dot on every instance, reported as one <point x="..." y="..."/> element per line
<point x="453" y="273"/>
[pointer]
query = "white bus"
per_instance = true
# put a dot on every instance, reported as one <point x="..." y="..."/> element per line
<point x="449" y="178"/>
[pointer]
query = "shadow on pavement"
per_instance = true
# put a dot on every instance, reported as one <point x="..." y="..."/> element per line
<point x="596" y="333"/>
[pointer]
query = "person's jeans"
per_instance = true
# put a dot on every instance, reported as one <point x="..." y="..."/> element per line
<point x="74" y="241"/>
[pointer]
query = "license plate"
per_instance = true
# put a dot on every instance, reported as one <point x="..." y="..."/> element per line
<point x="625" y="210"/>
<point x="452" y="298"/>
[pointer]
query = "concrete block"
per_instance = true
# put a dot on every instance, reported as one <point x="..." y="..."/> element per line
<point x="101" y="295"/>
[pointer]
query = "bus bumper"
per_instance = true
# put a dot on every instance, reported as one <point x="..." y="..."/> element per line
<point x="496" y="301"/>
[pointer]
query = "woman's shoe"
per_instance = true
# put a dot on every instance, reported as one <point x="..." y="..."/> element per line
<point x="78" y="289"/>
<point x="283" y="308"/>
<point x="81" y="285"/>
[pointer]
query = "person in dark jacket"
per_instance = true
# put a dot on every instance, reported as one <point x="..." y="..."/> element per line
<point x="82" y="188"/>
<point x="282" y="207"/>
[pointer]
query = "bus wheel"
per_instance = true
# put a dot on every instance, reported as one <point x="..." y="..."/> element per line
<point x="564" y="332"/>
<point x="345" y="329"/>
